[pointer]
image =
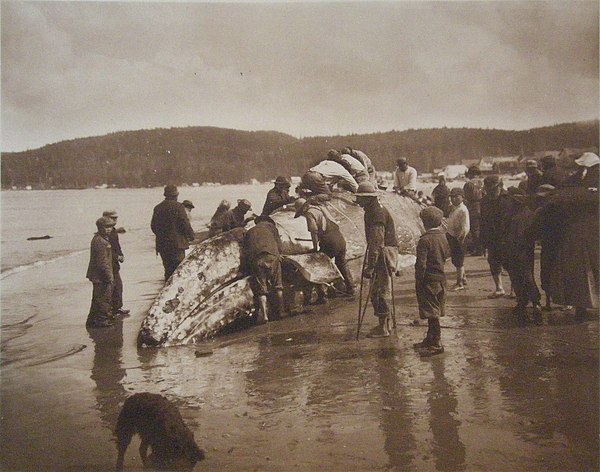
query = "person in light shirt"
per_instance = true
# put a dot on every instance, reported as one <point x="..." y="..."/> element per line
<point x="458" y="227"/>
<point x="321" y="178"/>
<point x="405" y="178"/>
<point x="357" y="169"/>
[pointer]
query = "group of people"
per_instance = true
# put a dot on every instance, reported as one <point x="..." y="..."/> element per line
<point x="503" y="224"/>
<point x="103" y="271"/>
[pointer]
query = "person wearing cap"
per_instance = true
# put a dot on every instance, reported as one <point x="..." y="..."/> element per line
<point x="100" y="273"/>
<point x="534" y="177"/>
<point x="326" y="237"/>
<point x="473" y="189"/>
<point x="518" y="251"/>
<point x="321" y="178"/>
<point x="171" y="225"/>
<point x="235" y="218"/>
<point x="586" y="174"/>
<point x="262" y="254"/>
<point x="552" y="175"/>
<point x="458" y="226"/>
<point x="117" y="259"/>
<point x="441" y="195"/>
<point x="356" y="168"/>
<point x="189" y="206"/>
<point x="430" y="279"/>
<point x="381" y="255"/>
<point x="405" y="177"/>
<point x="492" y="208"/>
<point x="278" y="196"/>
<point x="364" y="160"/>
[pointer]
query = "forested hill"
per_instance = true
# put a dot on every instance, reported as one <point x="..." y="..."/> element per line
<point x="207" y="154"/>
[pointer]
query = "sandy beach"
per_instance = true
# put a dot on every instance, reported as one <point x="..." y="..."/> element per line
<point x="300" y="393"/>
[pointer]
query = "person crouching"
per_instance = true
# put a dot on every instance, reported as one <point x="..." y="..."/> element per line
<point x="262" y="246"/>
<point x="430" y="279"/>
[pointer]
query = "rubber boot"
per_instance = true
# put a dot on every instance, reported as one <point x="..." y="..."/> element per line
<point x="261" y="314"/>
<point x="435" y="347"/>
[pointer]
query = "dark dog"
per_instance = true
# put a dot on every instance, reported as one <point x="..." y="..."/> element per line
<point x="161" y="427"/>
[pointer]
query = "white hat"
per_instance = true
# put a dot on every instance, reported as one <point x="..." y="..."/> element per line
<point x="587" y="159"/>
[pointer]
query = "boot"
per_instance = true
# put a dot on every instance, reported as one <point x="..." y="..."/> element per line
<point x="382" y="330"/>
<point x="261" y="313"/>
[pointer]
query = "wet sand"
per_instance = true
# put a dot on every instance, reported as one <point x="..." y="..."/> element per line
<point x="301" y="393"/>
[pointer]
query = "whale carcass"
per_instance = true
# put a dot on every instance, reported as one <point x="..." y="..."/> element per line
<point x="208" y="291"/>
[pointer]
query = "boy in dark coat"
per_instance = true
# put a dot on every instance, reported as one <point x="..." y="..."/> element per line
<point x="430" y="279"/>
<point x="100" y="273"/>
<point x="117" y="259"/>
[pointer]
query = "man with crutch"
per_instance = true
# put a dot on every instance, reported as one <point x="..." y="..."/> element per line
<point x="380" y="257"/>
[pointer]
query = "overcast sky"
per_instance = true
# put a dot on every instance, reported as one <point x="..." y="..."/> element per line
<point x="75" y="69"/>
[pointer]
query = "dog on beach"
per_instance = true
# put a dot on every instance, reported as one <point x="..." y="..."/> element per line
<point x="160" y="426"/>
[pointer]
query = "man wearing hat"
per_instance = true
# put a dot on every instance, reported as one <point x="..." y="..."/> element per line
<point x="357" y="168"/>
<point x="189" y="206"/>
<point x="586" y="174"/>
<point x="405" y="177"/>
<point x="326" y="237"/>
<point x="535" y="178"/>
<point x="171" y="225"/>
<point x="458" y="226"/>
<point x="364" y="160"/>
<point x="473" y="189"/>
<point x="100" y="273"/>
<point x="262" y="250"/>
<point x="381" y="255"/>
<point x="278" y="196"/>
<point x="492" y="210"/>
<point x="117" y="259"/>
<point x="234" y="218"/>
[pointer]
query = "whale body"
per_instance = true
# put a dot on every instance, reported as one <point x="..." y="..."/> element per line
<point x="208" y="291"/>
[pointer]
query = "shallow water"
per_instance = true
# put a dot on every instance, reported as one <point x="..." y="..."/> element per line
<point x="300" y="393"/>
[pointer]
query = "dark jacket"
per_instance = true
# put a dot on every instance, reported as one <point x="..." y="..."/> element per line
<point x="171" y="226"/>
<point x="100" y="269"/>
<point x="276" y="198"/>
<point x="380" y="231"/>
<point x="234" y="218"/>
<point x="432" y="252"/>
<point x="113" y="239"/>
<point x="261" y="239"/>
<point x="492" y="213"/>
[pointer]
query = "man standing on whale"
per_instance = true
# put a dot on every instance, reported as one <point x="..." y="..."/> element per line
<point x="173" y="230"/>
<point x="381" y="255"/>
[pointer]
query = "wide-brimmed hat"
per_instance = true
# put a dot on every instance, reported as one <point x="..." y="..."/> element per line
<point x="492" y="181"/>
<point x="104" y="221"/>
<point x="242" y="202"/>
<point x="281" y="180"/>
<point x="170" y="191"/>
<point x="188" y="204"/>
<point x="110" y="213"/>
<point x="587" y="159"/>
<point x="366" y="189"/>
<point x="299" y="206"/>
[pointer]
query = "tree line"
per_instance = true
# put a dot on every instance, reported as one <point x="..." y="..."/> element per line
<point x="148" y="158"/>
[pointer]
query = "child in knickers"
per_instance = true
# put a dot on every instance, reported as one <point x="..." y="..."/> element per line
<point x="430" y="279"/>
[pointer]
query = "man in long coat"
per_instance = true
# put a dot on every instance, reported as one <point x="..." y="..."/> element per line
<point x="173" y="230"/>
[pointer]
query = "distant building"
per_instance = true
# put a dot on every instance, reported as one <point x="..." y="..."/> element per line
<point x="453" y="171"/>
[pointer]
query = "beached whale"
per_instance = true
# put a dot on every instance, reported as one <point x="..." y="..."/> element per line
<point x="208" y="292"/>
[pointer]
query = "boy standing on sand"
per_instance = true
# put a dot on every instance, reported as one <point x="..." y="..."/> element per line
<point x="100" y="273"/>
<point x="430" y="279"/>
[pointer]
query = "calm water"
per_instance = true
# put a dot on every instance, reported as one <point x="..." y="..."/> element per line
<point x="69" y="215"/>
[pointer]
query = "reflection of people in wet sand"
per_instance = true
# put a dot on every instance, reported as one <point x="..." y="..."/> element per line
<point x="108" y="373"/>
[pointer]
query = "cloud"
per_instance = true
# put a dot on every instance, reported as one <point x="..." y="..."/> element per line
<point x="72" y="69"/>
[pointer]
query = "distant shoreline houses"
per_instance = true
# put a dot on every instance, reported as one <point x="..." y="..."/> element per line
<point x="511" y="165"/>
